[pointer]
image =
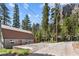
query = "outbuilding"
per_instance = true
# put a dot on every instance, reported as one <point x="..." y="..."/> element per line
<point x="13" y="36"/>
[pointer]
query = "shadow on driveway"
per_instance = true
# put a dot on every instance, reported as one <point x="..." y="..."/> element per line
<point x="36" y="54"/>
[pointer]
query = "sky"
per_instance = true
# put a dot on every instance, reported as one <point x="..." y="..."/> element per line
<point x="33" y="10"/>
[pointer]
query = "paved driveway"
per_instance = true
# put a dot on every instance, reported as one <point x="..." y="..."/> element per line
<point x="51" y="49"/>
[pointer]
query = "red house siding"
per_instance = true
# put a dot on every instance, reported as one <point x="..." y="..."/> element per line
<point x="10" y="34"/>
<point x="18" y="37"/>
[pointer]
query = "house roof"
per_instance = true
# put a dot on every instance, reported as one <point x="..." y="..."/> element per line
<point x="15" y="29"/>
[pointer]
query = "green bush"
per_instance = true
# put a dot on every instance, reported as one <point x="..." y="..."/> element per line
<point x="15" y="51"/>
<point x="21" y="51"/>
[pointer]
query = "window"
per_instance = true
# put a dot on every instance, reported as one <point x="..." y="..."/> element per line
<point x="11" y="41"/>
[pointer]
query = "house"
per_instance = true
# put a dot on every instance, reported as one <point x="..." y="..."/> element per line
<point x="13" y="36"/>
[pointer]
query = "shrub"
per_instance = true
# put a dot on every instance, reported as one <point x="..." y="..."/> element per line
<point x="21" y="51"/>
<point x="15" y="51"/>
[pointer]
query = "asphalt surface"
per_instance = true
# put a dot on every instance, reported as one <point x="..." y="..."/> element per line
<point x="51" y="49"/>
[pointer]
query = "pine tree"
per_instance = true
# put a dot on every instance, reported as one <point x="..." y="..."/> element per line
<point x="45" y="17"/>
<point x="36" y="32"/>
<point x="45" y="20"/>
<point x="67" y="10"/>
<point x="26" y="23"/>
<point x="0" y="12"/>
<point x="71" y="26"/>
<point x="55" y="16"/>
<point x="34" y="29"/>
<point x="38" y="36"/>
<point x="5" y="14"/>
<point x="16" y="21"/>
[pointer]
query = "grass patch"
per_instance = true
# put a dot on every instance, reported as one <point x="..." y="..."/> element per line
<point x="21" y="51"/>
<point x="15" y="51"/>
<point x="5" y="51"/>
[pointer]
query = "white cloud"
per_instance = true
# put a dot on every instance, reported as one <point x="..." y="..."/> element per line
<point x="26" y="6"/>
<point x="11" y="4"/>
<point x="29" y="15"/>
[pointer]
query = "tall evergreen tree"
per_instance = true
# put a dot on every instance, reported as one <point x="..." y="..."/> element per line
<point x="55" y="16"/>
<point x="70" y="25"/>
<point x="26" y="25"/>
<point x="67" y="10"/>
<point x="5" y="14"/>
<point x="16" y="21"/>
<point x="37" y="26"/>
<point x="0" y="12"/>
<point x="45" y="20"/>
<point x="34" y="29"/>
<point x="36" y="32"/>
<point x="45" y="17"/>
<point x="38" y="36"/>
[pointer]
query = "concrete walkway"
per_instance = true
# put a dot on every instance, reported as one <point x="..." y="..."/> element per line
<point x="51" y="49"/>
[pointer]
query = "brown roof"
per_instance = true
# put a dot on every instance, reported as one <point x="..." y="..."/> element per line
<point x="15" y="29"/>
<point x="15" y="33"/>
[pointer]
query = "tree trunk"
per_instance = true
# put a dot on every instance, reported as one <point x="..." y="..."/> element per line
<point x="1" y="43"/>
<point x="0" y="35"/>
<point x="56" y="30"/>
